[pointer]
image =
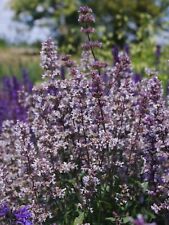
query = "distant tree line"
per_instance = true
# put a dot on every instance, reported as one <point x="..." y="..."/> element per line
<point x="119" y="20"/>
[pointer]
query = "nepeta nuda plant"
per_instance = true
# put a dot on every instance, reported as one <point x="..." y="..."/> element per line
<point x="95" y="143"/>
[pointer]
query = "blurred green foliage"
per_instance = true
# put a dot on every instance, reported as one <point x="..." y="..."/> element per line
<point x="143" y="55"/>
<point x="120" y="21"/>
<point x="3" y="43"/>
<point x="14" y="59"/>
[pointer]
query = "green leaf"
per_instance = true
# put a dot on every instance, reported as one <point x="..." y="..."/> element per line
<point x="111" y="219"/>
<point x="144" y="186"/>
<point x="79" y="220"/>
<point x="126" y="219"/>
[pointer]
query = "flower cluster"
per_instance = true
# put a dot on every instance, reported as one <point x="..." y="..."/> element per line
<point x="94" y="143"/>
<point x="21" y="216"/>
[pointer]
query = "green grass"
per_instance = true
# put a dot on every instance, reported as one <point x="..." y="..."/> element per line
<point x="14" y="59"/>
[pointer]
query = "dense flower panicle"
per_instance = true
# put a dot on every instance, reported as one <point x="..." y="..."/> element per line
<point x="87" y="30"/>
<point x="98" y="65"/>
<point x="116" y="59"/>
<point x="86" y="18"/>
<point x="49" y="59"/>
<point x="84" y="10"/>
<point x="87" y="138"/>
<point x="86" y="15"/>
<point x="91" y="44"/>
<point x="67" y="62"/>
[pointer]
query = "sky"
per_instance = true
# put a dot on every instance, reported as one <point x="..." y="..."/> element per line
<point x="14" y="31"/>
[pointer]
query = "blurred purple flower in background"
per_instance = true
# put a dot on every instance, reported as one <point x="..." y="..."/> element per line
<point x="140" y="221"/>
<point x="115" y="53"/>
<point x="10" y="105"/>
<point x="136" y="77"/>
<point x="157" y="54"/>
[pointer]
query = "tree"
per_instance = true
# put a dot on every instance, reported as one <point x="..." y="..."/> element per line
<point x="120" y="20"/>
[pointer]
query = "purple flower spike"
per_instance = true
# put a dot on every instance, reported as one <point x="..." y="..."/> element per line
<point x="158" y="53"/>
<point x="115" y="52"/>
<point x="4" y="210"/>
<point x="127" y="49"/>
<point x="136" y="78"/>
<point x="10" y="106"/>
<point x="23" y="216"/>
